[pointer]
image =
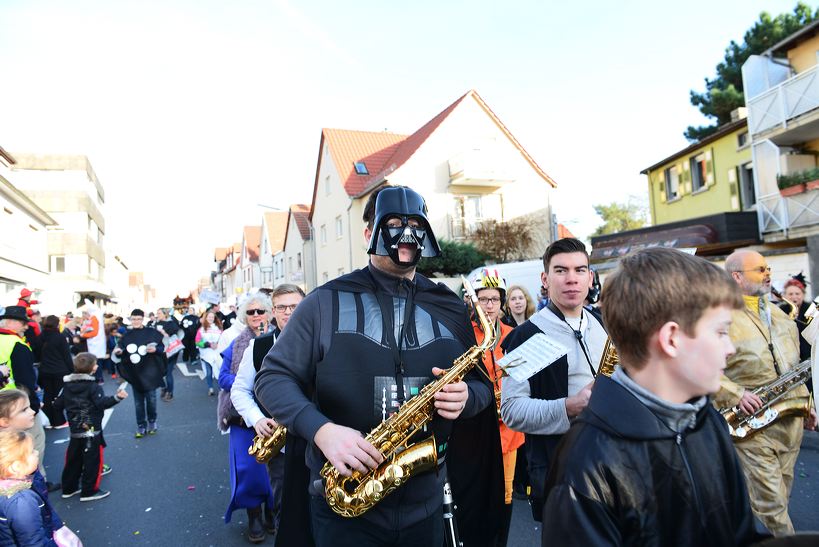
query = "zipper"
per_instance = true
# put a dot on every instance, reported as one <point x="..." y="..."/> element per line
<point x="691" y="478"/>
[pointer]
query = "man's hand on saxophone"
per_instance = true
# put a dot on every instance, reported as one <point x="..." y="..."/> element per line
<point x="750" y="402"/>
<point x="346" y="449"/>
<point x="450" y="401"/>
<point x="811" y="420"/>
<point x="265" y="427"/>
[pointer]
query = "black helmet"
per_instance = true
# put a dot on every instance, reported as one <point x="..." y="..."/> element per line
<point x="404" y="204"/>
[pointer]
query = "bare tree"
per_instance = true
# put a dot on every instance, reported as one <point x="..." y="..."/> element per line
<point x="503" y="241"/>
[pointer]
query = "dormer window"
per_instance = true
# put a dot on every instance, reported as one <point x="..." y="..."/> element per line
<point x="361" y="168"/>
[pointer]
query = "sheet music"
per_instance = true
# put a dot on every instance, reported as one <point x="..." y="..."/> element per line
<point x="537" y="353"/>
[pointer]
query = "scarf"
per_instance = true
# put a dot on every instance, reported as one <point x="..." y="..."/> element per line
<point x="225" y="410"/>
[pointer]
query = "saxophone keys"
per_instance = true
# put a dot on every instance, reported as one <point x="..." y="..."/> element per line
<point x="373" y="490"/>
<point x="394" y="474"/>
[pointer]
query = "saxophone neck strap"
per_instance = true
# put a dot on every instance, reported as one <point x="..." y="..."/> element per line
<point x="768" y="338"/>
<point x="385" y="302"/>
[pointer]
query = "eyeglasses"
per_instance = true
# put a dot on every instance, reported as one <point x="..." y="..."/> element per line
<point x="759" y="269"/>
<point x="484" y="300"/>
<point x="255" y="312"/>
<point x="281" y="308"/>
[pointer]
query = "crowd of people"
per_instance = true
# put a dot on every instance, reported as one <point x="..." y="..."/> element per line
<point x="636" y="453"/>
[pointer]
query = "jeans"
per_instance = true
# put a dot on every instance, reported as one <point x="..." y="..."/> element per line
<point x="143" y="400"/>
<point x="169" y="374"/>
<point x="332" y="530"/>
<point x="208" y="373"/>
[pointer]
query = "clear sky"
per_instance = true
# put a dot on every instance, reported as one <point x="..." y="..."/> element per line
<point x="193" y="112"/>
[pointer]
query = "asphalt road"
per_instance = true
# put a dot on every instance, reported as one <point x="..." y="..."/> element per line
<point x="172" y="489"/>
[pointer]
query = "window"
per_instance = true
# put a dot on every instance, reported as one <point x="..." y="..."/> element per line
<point x="699" y="176"/>
<point x="58" y="264"/>
<point x="298" y="261"/>
<point x="323" y="232"/>
<point x="361" y="168"/>
<point x="742" y="139"/>
<point x="747" y="194"/>
<point x="672" y="184"/>
<point x="339" y="227"/>
<point x="290" y="263"/>
<point x="327" y="185"/>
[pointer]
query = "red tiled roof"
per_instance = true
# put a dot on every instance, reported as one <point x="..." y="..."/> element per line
<point x="276" y="230"/>
<point x="562" y="231"/>
<point x="220" y="253"/>
<point x="301" y="216"/>
<point x="252" y="240"/>
<point x="347" y="147"/>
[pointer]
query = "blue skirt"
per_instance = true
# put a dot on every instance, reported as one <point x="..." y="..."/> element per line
<point x="249" y="481"/>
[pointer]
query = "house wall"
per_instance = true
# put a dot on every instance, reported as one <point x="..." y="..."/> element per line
<point x="716" y="197"/>
<point x="803" y="56"/>
<point x="332" y="252"/>
<point x="292" y="247"/>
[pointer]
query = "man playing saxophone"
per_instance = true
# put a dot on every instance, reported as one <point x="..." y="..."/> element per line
<point x="359" y="347"/>
<point x="766" y="347"/>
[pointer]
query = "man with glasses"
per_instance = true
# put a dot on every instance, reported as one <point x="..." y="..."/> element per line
<point x="767" y="346"/>
<point x="544" y="406"/>
<point x="140" y="356"/>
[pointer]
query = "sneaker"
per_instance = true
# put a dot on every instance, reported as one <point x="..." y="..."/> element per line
<point x="152" y="428"/>
<point x="98" y="495"/>
<point x="67" y="495"/>
<point x="140" y="433"/>
<point x="53" y="487"/>
<point x="210" y="392"/>
<point x="105" y="469"/>
<point x="168" y="397"/>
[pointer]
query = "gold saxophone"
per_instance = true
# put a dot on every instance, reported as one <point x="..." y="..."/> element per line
<point x="609" y="360"/>
<point x="265" y="448"/>
<point x="353" y="496"/>
<point x="774" y="404"/>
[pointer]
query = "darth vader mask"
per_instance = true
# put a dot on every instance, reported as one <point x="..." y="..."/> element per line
<point x="401" y="219"/>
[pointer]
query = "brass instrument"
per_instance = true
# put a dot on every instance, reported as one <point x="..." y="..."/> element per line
<point x="265" y="448"/>
<point x="609" y="360"/>
<point x="353" y="496"/>
<point x="774" y="404"/>
<point x="794" y="310"/>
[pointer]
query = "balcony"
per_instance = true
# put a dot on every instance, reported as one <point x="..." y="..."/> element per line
<point x="478" y="168"/>
<point x="779" y="106"/>
<point x="788" y="217"/>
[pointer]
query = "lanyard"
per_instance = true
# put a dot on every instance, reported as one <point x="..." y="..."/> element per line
<point x="578" y="334"/>
<point x="385" y="302"/>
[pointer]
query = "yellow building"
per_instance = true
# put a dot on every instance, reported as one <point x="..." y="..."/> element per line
<point x="714" y="175"/>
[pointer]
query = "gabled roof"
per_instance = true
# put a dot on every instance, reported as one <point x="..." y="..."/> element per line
<point x="718" y="134"/>
<point x="252" y="240"/>
<point x="276" y="223"/>
<point x="384" y="152"/>
<point x="301" y="216"/>
<point x="220" y="254"/>
<point x="562" y="231"/>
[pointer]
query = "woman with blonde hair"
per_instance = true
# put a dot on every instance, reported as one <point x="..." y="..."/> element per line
<point x="519" y="306"/>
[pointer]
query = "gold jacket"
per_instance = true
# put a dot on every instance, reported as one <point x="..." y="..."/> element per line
<point x="752" y="364"/>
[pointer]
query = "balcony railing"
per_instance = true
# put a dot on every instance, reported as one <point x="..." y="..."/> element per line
<point x="783" y="214"/>
<point x="784" y="102"/>
<point x="478" y="168"/>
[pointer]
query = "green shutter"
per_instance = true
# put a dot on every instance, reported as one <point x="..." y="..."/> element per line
<point x="684" y="178"/>
<point x="661" y="187"/>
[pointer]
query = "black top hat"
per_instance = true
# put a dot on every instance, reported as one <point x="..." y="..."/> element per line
<point x="15" y="312"/>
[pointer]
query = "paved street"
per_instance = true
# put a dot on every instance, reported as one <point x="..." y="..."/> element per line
<point x="172" y="489"/>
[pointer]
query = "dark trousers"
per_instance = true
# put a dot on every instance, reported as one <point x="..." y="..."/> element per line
<point x="275" y="469"/>
<point x="333" y="530"/>
<point x="51" y="384"/>
<point x="190" y="352"/>
<point x="83" y="465"/>
<point x="169" y="373"/>
<point x="145" y="400"/>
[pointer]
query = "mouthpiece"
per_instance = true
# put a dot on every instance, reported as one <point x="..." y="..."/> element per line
<point x="469" y="290"/>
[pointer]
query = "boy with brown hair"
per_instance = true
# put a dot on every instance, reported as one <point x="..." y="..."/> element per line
<point x="650" y="461"/>
<point x="85" y="402"/>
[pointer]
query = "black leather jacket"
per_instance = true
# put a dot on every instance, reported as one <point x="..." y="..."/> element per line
<point x="623" y="477"/>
